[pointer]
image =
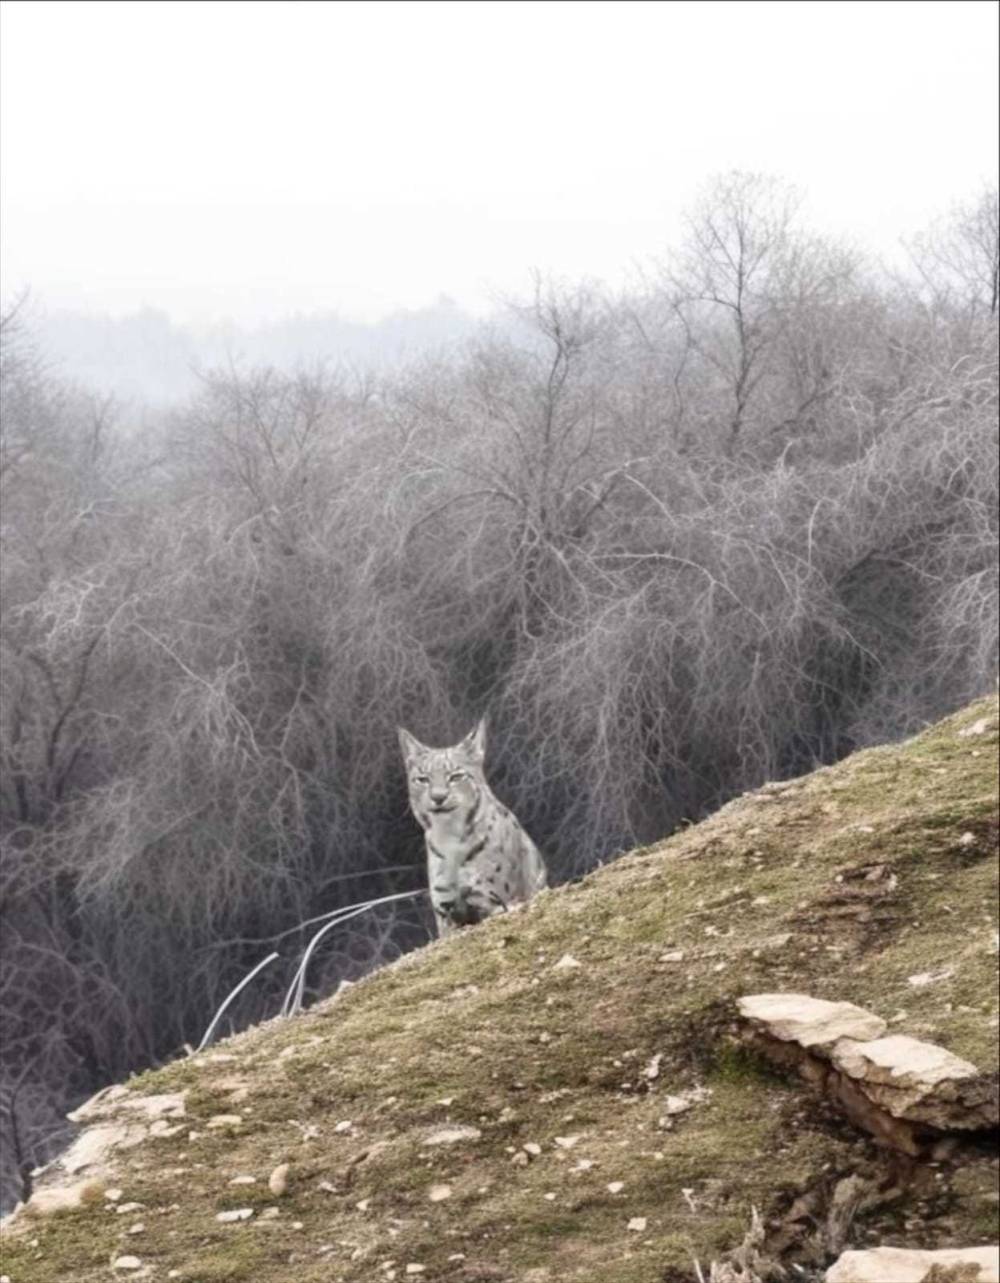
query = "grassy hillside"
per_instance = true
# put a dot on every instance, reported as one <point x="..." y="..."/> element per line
<point x="551" y="1042"/>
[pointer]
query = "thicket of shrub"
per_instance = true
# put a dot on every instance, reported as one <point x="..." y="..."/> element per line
<point x="725" y="527"/>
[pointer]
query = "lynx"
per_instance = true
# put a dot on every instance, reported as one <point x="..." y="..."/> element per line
<point x="479" y="859"/>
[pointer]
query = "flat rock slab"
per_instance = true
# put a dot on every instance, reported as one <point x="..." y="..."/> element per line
<point x="919" y="1081"/>
<point x="906" y="1265"/>
<point x="811" y="1022"/>
<point x="894" y="1086"/>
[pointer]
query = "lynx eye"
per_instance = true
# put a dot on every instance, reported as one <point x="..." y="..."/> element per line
<point x="457" y="775"/>
<point x="421" y="779"/>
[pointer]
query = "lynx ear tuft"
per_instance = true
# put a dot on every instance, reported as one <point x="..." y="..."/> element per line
<point x="475" y="742"/>
<point x="411" y="747"/>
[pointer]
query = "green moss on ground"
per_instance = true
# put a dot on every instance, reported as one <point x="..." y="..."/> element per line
<point x="842" y="884"/>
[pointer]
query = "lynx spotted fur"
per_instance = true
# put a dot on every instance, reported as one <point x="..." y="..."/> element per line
<point x="479" y="859"/>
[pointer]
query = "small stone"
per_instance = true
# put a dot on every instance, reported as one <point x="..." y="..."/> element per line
<point x="343" y="1126"/>
<point x="243" y="1180"/>
<point x="218" y="1121"/>
<point x="674" y="955"/>
<point x="566" y="1142"/>
<point x="566" y="963"/>
<point x="277" y="1182"/>
<point x="967" y="839"/>
<point x="452" y="1135"/>
<point x="126" y="1263"/>
<point x="123" y="1208"/>
<point x="161" y="1128"/>
<point x="438" y="1193"/>
<point x="446" y="1101"/>
<point x="237" y="1214"/>
<point x="551" y="1198"/>
<point x="363" y="1205"/>
<point x="520" y="1159"/>
<point x="977" y="728"/>
<point x="112" y="1195"/>
<point x="637" y="1224"/>
<point x="137" y="1228"/>
<point x="415" y="1268"/>
<point x="923" y="978"/>
<point x="532" y="1148"/>
<point x="584" y="1165"/>
<point x="615" y="1187"/>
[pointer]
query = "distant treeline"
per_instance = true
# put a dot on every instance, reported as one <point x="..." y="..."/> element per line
<point x="147" y="359"/>
<point x="675" y="543"/>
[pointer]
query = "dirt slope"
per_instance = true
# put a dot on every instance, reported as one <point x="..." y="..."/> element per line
<point x="604" y="1124"/>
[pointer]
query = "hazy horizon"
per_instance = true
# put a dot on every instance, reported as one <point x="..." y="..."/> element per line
<point x="249" y="162"/>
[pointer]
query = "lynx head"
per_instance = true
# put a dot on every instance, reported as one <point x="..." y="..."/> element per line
<point x="444" y="780"/>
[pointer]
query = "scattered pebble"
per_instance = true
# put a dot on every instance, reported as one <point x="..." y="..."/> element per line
<point x="344" y="1126"/>
<point x="532" y="1148"/>
<point x="130" y="1207"/>
<point x="137" y="1228"/>
<point x="566" y="963"/>
<point x="675" y="955"/>
<point x="566" y="1142"/>
<point x="550" y="1198"/>
<point x="929" y="977"/>
<point x="652" y="1070"/>
<point x="637" y="1224"/>
<point x="162" y="1128"/>
<point x="126" y="1263"/>
<point x="438" y="1193"/>
<point x="277" y="1182"/>
<point x="224" y="1120"/>
<point x="112" y="1195"/>
<point x="238" y="1214"/>
<point x="363" y="1205"/>
<point x="615" y="1187"/>
<point x="415" y="1268"/>
<point x="967" y="839"/>
<point x="244" y="1180"/>
<point x="452" y="1135"/>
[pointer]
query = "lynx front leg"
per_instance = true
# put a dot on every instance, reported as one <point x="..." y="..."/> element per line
<point x="445" y="925"/>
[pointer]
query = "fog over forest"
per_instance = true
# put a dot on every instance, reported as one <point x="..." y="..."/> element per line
<point x="149" y="359"/>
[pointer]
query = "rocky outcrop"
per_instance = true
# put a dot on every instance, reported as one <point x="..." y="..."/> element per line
<point x="905" y="1265"/>
<point x="909" y="1094"/>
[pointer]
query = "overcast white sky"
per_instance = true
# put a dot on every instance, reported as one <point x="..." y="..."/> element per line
<point x="248" y="159"/>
